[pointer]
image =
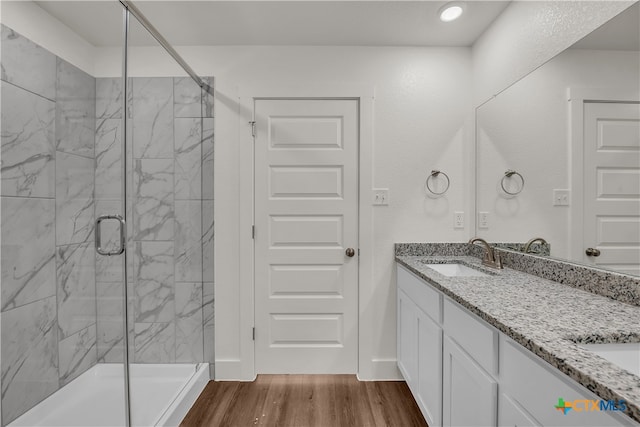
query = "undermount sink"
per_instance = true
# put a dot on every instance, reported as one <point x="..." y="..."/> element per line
<point x="623" y="355"/>
<point x="456" y="270"/>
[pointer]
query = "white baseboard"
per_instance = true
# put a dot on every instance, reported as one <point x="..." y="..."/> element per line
<point x="230" y="370"/>
<point x="382" y="370"/>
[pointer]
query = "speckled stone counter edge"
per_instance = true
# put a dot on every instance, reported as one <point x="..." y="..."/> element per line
<point x="437" y="249"/>
<point x="535" y="249"/>
<point x="617" y="286"/>
<point x="536" y="348"/>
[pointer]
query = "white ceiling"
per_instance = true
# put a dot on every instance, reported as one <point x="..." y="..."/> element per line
<point x="303" y="22"/>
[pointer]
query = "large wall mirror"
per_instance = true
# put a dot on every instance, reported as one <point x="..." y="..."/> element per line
<point x="558" y="152"/>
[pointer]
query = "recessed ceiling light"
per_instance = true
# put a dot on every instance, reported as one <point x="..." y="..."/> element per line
<point x="450" y="12"/>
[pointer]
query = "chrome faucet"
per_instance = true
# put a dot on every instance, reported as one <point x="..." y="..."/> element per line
<point x="527" y="246"/>
<point x="491" y="259"/>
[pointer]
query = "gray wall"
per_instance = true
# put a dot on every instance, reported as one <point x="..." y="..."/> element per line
<point x="171" y="236"/>
<point x="61" y="303"/>
<point x="48" y="267"/>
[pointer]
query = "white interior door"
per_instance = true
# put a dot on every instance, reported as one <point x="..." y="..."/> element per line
<point x="612" y="185"/>
<point x="306" y="286"/>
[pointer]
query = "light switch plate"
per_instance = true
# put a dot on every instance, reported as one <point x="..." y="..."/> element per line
<point x="483" y="220"/>
<point x="561" y="197"/>
<point x="380" y="197"/>
<point x="458" y="219"/>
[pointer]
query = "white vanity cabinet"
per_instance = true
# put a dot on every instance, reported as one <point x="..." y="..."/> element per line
<point x="512" y="414"/>
<point x="419" y="347"/>
<point x="470" y="391"/>
<point x="407" y="351"/>
<point x="429" y="396"/>
<point x="445" y="355"/>
<point x="530" y="388"/>
<point x="470" y="395"/>
<point x="464" y="372"/>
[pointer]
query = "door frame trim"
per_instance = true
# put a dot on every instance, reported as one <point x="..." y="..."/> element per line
<point x="365" y="96"/>
<point x="577" y="97"/>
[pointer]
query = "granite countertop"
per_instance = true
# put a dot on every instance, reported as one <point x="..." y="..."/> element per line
<point x="549" y="319"/>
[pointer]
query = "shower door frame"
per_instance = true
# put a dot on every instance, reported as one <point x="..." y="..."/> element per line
<point x="125" y="273"/>
<point x="130" y="9"/>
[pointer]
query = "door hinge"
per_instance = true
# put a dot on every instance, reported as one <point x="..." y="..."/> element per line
<point x="253" y="128"/>
<point x="358" y="251"/>
<point x="253" y="334"/>
<point x="253" y="231"/>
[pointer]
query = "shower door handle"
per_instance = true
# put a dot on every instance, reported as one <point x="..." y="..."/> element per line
<point x="123" y="235"/>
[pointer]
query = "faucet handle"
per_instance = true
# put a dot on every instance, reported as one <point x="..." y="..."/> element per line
<point x="498" y="260"/>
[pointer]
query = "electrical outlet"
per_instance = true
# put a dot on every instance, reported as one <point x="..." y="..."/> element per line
<point x="458" y="219"/>
<point x="380" y="196"/>
<point x="561" y="197"/>
<point x="483" y="219"/>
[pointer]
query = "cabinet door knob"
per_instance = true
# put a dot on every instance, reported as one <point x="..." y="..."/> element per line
<point x="350" y="252"/>
<point x="592" y="252"/>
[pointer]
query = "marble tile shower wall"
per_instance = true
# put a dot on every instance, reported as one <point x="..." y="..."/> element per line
<point x="61" y="305"/>
<point x="48" y="292"/>
<point x="171" y="236"/>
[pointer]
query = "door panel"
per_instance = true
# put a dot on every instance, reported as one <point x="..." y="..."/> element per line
<point x="300" y="330"/>
<point x="306" y="288"/>
<point x="309" y="280"/>
<point x="306" y="132"/>
<point x="304" y="231"/>
<point x="617" y="183"/>
<point x="612" y="184"/>
<point x="307" y="182"/>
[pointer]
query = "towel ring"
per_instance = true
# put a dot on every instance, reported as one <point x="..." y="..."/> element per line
<point x="508" y="174"/>
<point x="435" y="173"/>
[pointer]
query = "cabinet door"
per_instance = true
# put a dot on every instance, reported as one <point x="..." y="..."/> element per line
<point x="407" y="345"/>
<point x="510" y="414"/>
<point x="429" y="369"/>
<point x="470" y="395"/>
<point x="536" y="386"/>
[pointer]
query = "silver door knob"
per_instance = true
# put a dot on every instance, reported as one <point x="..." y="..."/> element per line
<point x="350" y="252"/>
<point x="592" y="252"/>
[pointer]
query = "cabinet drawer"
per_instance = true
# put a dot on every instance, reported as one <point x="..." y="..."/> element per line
<point x="536" y="386"/>
<point x="422" y="294"/>
<point x="475" y="336"/>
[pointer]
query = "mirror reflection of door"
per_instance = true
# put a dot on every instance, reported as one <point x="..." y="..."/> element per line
<point x="528" y="127"/>
<point x="612" y="185"/>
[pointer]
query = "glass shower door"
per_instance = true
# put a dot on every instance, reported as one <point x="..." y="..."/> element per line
<point x="107" y="230"/>
<point x="62" y="304"/>
<point x="112" y="228"/>
<point x="167" y="144"/>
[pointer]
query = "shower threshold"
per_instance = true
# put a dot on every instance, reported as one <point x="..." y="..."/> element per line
<point x="161" y="395"/>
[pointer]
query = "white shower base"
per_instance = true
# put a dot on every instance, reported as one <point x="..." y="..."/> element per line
<point x="161" y="395"/>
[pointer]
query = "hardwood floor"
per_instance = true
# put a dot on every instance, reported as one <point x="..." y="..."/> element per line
<point x="305" y="400"/>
